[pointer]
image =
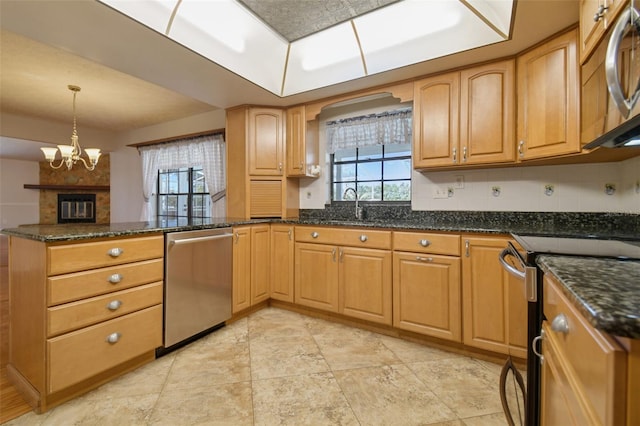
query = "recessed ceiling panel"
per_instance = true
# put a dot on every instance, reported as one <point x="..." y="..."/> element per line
<point x="328" y="57"/>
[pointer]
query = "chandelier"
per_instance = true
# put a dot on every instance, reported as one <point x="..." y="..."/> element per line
<point x="71" y="153"/>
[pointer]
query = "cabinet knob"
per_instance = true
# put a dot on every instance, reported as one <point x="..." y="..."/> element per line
<point x="113" y="338"/>
<point x="425" y="243"/>
<point x="314" y="235"/>
<point x="455" y="155"/>
<point x="600" y="13"/>
<point x="560" y="324"/>
<point x="114" y="305"/>
<point x="280" y="167"/>
<point x="464" y="154"/>
<point x="363" y="238"/>
<point x="115" y="252"/>
<point x="521" y="148"/>
<point x="115" y="278"/>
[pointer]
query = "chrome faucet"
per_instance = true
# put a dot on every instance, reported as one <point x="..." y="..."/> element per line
<point x="359" y="210"/>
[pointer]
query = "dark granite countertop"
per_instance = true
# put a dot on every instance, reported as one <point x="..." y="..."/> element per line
<point x="606" y="291"/>
<point x="70" y="232"/>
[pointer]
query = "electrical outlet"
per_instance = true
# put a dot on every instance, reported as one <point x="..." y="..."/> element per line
<point x="441" y="193"/>
<point x="459" y="182"/>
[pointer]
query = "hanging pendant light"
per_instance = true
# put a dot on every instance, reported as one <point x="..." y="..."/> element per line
<point x="71" y="153"/>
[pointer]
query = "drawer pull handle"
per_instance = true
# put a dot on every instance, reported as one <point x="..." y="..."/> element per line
<point x="113" y="338"/>
<point x="115" y="278"/>
<point x="363" y="238"/>
<point x="114" y="305"/>
<point x="314" y="235"/>
<point x="424" y="259"/>
<point x="535" y="342"/>
<point x="425" y="243"/>
<point x="560" y="324"/>
<point x="115" y="252"/>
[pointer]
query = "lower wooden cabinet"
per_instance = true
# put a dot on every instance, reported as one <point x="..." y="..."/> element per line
<point x="353" y="281"/>
<point x="82" y="312"/>
<point x="282" y="262"/>
<point x="251" y="266"/>
<point x="426" y="295"/>
<point x="494" y="303"/>
<point x="584" y="372"/>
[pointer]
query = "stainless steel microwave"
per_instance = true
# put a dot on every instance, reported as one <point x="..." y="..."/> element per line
<point x="622" y="68"/>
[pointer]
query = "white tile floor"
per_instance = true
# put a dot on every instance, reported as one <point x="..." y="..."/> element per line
<point x="278" y="367"/>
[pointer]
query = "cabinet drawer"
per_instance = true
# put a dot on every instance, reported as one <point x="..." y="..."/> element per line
<point x="84" y="353"/>
<point x="595" y="360"/>
<point x="80" y="285"/>
<point x="75" y="315"/>
<point x="422" y="242"/>
<point x="363" y="237"/>
<point x="82" y="256"/>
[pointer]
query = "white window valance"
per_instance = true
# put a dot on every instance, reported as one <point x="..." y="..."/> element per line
<point x="207" y="152"/>
<point x="391" y="127"/>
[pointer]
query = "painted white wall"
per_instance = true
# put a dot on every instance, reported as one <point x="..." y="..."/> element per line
<point x="18" y="206"/>
<point x="577" y="188"/>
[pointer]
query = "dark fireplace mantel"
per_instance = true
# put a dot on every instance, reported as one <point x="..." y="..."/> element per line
<point x="69" y="187"/>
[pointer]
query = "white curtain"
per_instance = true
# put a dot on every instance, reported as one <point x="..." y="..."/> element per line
<point x="392" y="127"/>
<point x="202" y="151"/>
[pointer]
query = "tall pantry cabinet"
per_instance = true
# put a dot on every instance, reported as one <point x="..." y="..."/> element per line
<point x="257" y="185"/>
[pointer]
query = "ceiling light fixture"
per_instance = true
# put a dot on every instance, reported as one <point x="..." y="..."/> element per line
<point x="71" y="153"/>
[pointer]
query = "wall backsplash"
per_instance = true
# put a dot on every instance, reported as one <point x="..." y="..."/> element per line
<point x="76" y="176"/>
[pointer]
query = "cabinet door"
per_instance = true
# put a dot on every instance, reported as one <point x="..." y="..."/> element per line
<point x="591" y="31"/>
<point x="316" y="276"/>
<point x="282" y="263"/>
<point x="241" y="294"/>
<point x="487" y="113"/>
<point x="548" y="114"/>
<point x="266" y="142"/>
<point x="426" y="295"/>
<point x="436" y="120"/>
<point x="365" y="284"/>
<point x="260" y="261"/>
<point x="489" y="317"/>
<point x="296" y="147"/>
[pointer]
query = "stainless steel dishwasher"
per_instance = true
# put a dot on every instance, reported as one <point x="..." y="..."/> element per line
<point x="197" y="292"/>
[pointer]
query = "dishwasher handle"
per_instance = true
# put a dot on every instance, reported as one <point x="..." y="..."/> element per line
<point x="510" y="268"/>
<point x="198" y="239"/>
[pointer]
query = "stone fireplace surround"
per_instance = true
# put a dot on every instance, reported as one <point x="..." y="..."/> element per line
<point x="91" y="182"/>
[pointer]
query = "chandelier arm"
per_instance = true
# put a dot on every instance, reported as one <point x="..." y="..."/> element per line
<point x="59" y="164"/>
<point x="88" y="167"/>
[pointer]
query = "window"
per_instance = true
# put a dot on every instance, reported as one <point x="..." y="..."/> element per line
<point x="183" y="196"/>
<point x="378" y="173"/>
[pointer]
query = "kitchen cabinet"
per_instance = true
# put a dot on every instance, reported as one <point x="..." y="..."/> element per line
<point x="266" y="141"/>
<point x="548" y="115"/>
<point x="596" y="17"/>
<point x="466" y="117"/>
<point x="256" y="182"/>
<point x="347" y="271"/>
<point x="494" y="304"/>
<point x="251" y="266"/>
<point x="302" y="144"/>
<point x="426" y="286"/>
<point x="584" y="373"/>
<point x="282" y="262"/>
<point x="82" y="313"/>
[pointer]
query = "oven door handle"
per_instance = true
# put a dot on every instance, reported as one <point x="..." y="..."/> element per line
<point x="511" y="269"/>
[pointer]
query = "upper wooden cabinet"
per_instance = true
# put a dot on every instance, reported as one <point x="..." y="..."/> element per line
<point x="302" y="149"/>
<point x="266" y="142"/>
<point x="465" y="118"/>
<point x="548" y="99"/>
<point x="435" y="121"/>
<point x="596" y="16"/>
<point x="256" y="185"/>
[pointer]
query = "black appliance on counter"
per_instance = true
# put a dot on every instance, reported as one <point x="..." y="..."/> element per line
<point x="531" y="275"/>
